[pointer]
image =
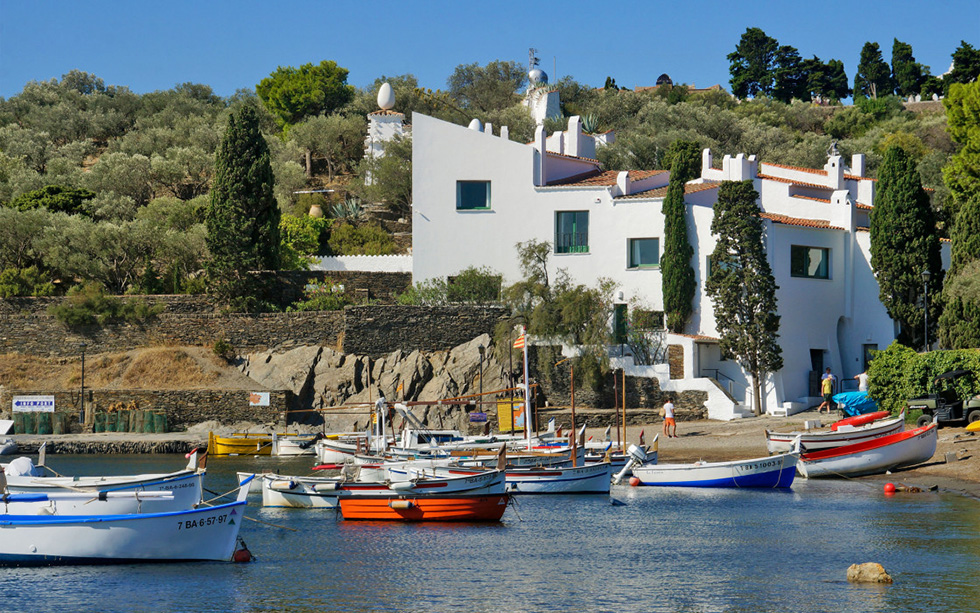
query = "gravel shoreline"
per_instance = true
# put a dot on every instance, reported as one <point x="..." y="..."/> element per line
<point x="696" y="440"/>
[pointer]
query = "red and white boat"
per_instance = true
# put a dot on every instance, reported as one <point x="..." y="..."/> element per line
<point x="845" y="434"/>
<point x="871" y="456"/>
<point x="469" y="498"/>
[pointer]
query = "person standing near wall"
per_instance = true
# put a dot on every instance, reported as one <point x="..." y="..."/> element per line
<point x="827" y="389"/>
<point x="862" y="381"/>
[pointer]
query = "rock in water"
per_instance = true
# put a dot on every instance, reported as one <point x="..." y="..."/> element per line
<point x="869" y="572"/>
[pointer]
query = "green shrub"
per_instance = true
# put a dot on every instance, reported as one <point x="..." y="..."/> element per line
<point x="223" y="350"/>
<point x="898" y="373"/>
<point x="471" y="286"/>
<point x="322" y="297"/>
<point x="346" y="239"/>
<point x="87" y="304"/>
<point x="25" y="282"/>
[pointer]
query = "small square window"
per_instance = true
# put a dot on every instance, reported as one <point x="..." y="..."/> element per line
<point x="472" y="195"/>
<point x="644" y="252"/>
<point x="809" y="262"/>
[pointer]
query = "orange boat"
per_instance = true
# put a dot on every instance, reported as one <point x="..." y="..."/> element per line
<point x="425" y="508"/>
<point x="479" y="497"/>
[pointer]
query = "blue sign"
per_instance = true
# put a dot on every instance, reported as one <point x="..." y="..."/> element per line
<point x="478" y="417"/>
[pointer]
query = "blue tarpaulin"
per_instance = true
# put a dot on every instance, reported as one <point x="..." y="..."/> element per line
<point x="855" y="403"/>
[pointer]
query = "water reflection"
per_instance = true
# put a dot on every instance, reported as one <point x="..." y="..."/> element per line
<point x="661" y="549"/>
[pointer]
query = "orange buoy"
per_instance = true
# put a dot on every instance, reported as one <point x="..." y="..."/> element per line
<point x="889" y="488"/>
<point x="634" y="481"/>
<point x="242" y="555"/>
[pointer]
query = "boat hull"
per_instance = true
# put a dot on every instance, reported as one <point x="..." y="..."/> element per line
<point x="588" y="479"/>
<point x="240" y="445"/>
<point x="194" y="535"/>
<point x="186" y="487"/>
<point x="424" y="508"/>
<point x="776" y="471"/>
<point x="872" y="457"/>
<point x="299" y="492"/>
<point x="782" y="442"/>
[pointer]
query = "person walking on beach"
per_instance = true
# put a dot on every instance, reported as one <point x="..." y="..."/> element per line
<point x="827" y="389"/>
<point x="669" y="422"/>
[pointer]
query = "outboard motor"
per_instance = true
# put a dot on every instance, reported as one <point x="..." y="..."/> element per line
<point x="637" y="457"/>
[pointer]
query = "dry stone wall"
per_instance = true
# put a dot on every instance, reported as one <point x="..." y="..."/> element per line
<point x="182" y="407"/>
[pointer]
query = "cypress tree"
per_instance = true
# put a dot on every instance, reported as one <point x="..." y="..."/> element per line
<point x="742" y="287"/>
<point x="677" y="275"/>
<point x="242" y="217"/>
<point x="959" y="324"/>
<point x="904" y="243"/>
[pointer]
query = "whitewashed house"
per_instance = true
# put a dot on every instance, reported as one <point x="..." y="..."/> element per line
<point x="477" y="194"/>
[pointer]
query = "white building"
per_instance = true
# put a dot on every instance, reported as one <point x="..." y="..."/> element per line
<point x="476" y="195"/>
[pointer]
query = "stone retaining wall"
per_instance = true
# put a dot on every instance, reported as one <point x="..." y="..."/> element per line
<point x="183" y="407"/>
<point x="378" y="330"/>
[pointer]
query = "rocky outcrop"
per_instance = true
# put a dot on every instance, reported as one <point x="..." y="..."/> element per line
<point x="869" y="572"/>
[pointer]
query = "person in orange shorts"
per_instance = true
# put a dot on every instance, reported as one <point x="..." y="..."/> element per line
<point x="670" y="424"/>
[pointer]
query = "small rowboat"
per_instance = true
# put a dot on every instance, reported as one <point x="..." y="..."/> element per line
<point x="206" y="533"/>
<point x="468" y="498"/>
<point x="872" y="456"/>
<point x="860" y="420"/>
<point x="813" y="440"/>
<point x="772" y="472"/>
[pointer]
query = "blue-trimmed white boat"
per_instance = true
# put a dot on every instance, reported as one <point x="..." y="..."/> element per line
<point x="567" y="479"/>
<point x="23" y="477"/>
<point x="768" y="472"/>
<point x="206" y="533"/>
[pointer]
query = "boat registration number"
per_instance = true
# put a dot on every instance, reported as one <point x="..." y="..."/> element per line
<point x="190" y="524"/>
<point x="760" y="465"/>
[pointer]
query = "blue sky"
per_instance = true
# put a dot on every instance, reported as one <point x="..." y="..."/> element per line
<point x="233" y="44"/>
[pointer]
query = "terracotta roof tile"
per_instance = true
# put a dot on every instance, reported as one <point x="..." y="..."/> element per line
<point x="661" y="192"/>
<point x="386" y="112"/>
<point x="791" y="181"/>
<point x="863" y="207"/>
<point x="698" y="337"/>
<point x="862" y="229"/>
<point x="796" y="221"/>
<point x="814" y="171"/>
<point x="603" y="178"/>
<point x="572" y="157"/>
<point x="857" y="178"/>
<point x="825" y="200"/>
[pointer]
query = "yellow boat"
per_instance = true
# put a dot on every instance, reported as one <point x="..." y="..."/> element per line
<point x="974" y="427"/>
<point x="241" y="444"/>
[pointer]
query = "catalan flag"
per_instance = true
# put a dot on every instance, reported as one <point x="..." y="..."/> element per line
<point x="519" y="343"/>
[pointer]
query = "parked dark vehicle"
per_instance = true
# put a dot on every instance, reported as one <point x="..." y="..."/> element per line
<point x="945" y="403"/>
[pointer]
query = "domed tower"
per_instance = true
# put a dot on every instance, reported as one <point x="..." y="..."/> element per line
<point x="383" y="124"/>
<point x="543" y="103"/>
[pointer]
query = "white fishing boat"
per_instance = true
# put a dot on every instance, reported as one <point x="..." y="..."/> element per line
<point x="206" y="533"/>
<point x="768" y="472"/>
<point x="582" y="479"/>
<point x="294" y="444"/>
<point x="299" y="492"/>
<point x="843" y="434"/>
<point x="873" y="456"/>
<point x="23" y="477"/>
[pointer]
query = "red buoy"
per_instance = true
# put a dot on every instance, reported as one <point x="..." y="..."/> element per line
<point x="242" y="555"/>
<point x="634" y="481"/>
<point x="889" y="488"/>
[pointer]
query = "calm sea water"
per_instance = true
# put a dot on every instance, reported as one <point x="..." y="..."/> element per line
<point x="659" y="550"/>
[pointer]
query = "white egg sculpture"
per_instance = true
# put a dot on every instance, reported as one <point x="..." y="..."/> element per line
<point x="476" y="124"/>
<point x="386" y="97"/>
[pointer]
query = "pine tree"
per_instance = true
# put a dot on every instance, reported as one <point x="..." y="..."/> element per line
<point x="959" y="324"/>
<point x="676" y="272"/>
<point x="742" y="287"/>
<point x="751" y="64"/>
<point x="904" y="243"/>
<point x="907" y="74"/>
<point x="873" y="76"/>
<point x="242" y="217"/>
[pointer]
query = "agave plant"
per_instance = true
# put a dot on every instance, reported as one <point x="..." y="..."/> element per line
<point x="350" y="209"/>
<point x="590" y="124"/>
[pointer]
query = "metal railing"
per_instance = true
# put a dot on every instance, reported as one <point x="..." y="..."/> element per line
<point x="726" y="382"/>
